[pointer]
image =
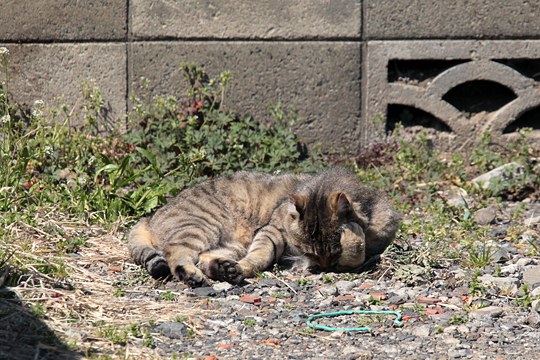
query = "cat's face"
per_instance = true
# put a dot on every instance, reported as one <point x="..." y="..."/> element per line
<point x="325" y="230"/>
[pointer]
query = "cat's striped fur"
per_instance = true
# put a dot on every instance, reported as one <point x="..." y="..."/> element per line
<point x="231" y="227"/>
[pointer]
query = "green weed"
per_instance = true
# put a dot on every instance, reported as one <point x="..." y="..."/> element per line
<point x="369" y="320"/>
<point x="140" y="332"/>
<point x="38" y="310"/>
<point x="374" y="301"/>
<point x="181" y="319"/>
<point x="475" y="286"/>
<point x="525" y="300"/>
<point x="249" y="322"/>
<point x="458" y="319"/>
<point x="119" y="292"/>
<point x="480" y="255"/>
<point x="167" y="296"/>
<point x="327" y="278"/>
<point x="114" y="334"/>
<point x="278" y="295"/>
<point x="302" y="281"/>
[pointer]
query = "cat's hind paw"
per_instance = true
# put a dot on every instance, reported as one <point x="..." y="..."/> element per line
<point x="158" y="267"/>
<point x="193" y="278"/>
<point x="227" y="270"/>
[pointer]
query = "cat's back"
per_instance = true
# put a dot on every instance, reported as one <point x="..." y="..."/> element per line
<point x="243" y="194"/>
<point x="257" y="195"/>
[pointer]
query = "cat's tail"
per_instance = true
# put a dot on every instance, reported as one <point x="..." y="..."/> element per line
<point x="142" y="249"/>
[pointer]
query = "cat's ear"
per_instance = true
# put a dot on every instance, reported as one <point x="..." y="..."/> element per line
<point x="299" y="201"/>
<point x="339" y="203"/>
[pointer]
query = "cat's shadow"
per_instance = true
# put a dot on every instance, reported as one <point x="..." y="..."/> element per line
<point x="370" y="265"/>
<point x="22" y="334"/>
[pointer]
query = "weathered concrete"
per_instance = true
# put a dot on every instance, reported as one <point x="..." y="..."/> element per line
<point x="320" y="79"/>
<point x="254" y="19"/>
<point x="456" y="19"/>
<point x="306" y="54"/>
<point x="482" y="60"/>
<point x="56" y="73"/>
<point x="63" y="20"/>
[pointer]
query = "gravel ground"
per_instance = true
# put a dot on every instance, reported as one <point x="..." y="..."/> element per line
<point x="109" y="308"/>
<point x="267" y="319"/>
<point x="448" y="313"/>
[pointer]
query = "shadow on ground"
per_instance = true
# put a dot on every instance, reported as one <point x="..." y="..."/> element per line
<point x="23" y="335"/>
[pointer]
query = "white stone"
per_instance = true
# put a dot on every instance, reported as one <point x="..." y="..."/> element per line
<point x="503" y="172"/>
<point x="535" y="305"/>
<point x="508" y="285"/>
<point x="488" y="311"/>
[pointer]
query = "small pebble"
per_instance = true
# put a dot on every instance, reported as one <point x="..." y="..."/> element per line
<point x="485" y="216"/>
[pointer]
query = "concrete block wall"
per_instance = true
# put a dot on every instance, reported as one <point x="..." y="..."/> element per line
<point x="351" y="68"/>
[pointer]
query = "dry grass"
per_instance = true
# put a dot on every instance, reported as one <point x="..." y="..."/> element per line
<point x="89" y="301"/>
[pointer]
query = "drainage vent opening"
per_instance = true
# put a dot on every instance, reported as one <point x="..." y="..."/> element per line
<point x="526" y="67"/>
<point x="410" y="116"/>
<point x="479" y="95"/>
<point x="418" y="70"/>
<point x="529" y="119"/>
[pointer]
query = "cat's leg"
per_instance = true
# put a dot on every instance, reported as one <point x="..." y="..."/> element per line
<point x="184" y="236"/>
<point x="182" y="251"/>
<point x="141" y="244"/>
<point x="181" y="261"/>
<point x="266" y="248"/>
<point x="353" y="247"/>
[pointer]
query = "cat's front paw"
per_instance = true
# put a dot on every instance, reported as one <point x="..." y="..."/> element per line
<point x="227" y="270"/>
<point x="353" y="247"/>
<point x="352" y="231"/>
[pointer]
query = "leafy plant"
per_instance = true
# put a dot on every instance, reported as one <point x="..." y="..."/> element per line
<point x="458" y="319"/>
<point x="170" y="142"/>
<point x="327" y="278"/>
<point x="114" y="334"/>
<point x="303" y="281"/>
<point x="193" y="138"/>
<point x="475" y="286"/>
<point x="249" y="322"/>
<point x="167" y="296"/>
<point x="37" y="310"/>
<point x="526" y="299"/>
<point x="480" y="255"/>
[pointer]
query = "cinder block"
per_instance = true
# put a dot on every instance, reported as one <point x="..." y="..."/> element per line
<point x="458" y="19"/>
<point x="63" y="20"/>
<point x="254" y="19"/>
<point x="456" y="88"/>
<point x="320" y="79"/>
<point x="56" y="73"/>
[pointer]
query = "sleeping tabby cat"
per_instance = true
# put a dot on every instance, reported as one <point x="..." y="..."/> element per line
<point x="231" y="227"/>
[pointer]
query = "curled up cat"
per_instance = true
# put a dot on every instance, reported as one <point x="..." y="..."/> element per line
<point x="231" y="227"/>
